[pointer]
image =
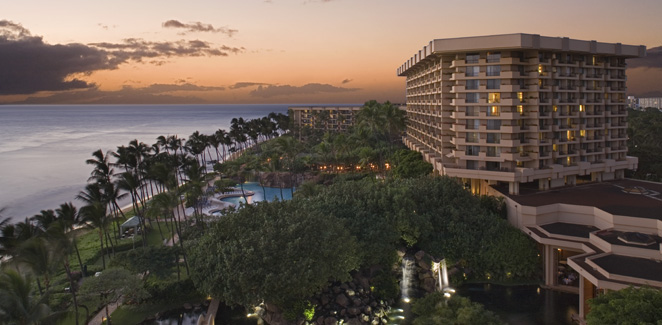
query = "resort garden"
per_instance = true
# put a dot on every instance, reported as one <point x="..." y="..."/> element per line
<point x="363" y="204"/>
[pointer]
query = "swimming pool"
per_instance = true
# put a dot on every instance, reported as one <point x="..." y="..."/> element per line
<point x="270" y="193"/>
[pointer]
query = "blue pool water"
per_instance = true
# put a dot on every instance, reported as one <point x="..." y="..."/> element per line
<point x="271" y="193"/>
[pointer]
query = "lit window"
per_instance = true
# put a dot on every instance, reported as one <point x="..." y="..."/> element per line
<point x="520" y="109"/>
<point x="520" y="96"/>
<point x="582" y="133"/>
<point x="556" y="108"/>
<point x="494" y="98"/>
<point x="540" y="69"/>
<point x="581" y="108"/>
<point x="494" y="111"/>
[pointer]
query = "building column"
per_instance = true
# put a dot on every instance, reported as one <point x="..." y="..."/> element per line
<point x="549" y="265"/>
<point x="513" y="188"/>
<point x="586" y="292"/>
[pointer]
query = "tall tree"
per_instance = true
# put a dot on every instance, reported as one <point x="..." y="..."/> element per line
<point x="18" y="302"/>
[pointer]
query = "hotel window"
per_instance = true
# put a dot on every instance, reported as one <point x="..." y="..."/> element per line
<point x="472" y="98"/>
<point x="472" y="71"/>
<point x="471" y="111"/>
<point x="472" y="124"/>
<point x="493" y="57"/>
<point x="472" y="150"/>
<point x="472" y="84"/>
<point x="493" y="83"/>
<point x="472" y="58"/>
<point x="493" y="138"/>
<point x="472" y="137"/>
<point x="494" y="111"/>
<point x="494" y="98"/>
<point x="472" y="164"/>
<point x="493" y="70"/>
<point x="520" y="96"/>
<point x="520" y="109"/>
<point x="493" y="124"/>
<point x="493" y="151"/>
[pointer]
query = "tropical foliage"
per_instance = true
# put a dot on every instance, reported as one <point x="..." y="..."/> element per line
<point x="435" y="308"/>
<point x="644" y="142"/>
<point x="626" y="306"/>
<point x="277" y="252"/>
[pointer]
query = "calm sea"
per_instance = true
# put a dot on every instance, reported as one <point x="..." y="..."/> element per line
<point x="43" y="148"/>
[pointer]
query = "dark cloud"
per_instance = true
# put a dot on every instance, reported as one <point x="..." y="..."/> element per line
<point x="137" y="49"/>
<point x="199" y="27"/>
<point x="29" y="65"/>
<point x="152" y="94"/>
<point x="307" y="89"/>
<point x="12" y="31"/>
<point x="247" y="84"/>
<point x="346" y="81"/>
<point x="653" y="59"/>
<point x="164" y="88"/>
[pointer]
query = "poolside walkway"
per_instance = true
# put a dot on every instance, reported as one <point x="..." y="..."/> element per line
<point x="98" y="318"/>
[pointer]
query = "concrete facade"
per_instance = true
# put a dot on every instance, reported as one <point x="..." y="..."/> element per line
<point x="608" y="233"/>
<point x="520" y="108"/>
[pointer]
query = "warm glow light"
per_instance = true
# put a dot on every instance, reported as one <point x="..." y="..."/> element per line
<point x="406" y="300"/>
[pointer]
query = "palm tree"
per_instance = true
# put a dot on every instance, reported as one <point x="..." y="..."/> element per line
<point x="18" y="303"/>
<point x="40" y="257"/>
<point x="94" y="213"/>
<point x="62" y="241"/>
<point x="44" y="219"/>
<point x="68" y="216"/>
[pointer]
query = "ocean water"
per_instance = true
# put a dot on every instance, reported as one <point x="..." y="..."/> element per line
<point x="43" y="149"/>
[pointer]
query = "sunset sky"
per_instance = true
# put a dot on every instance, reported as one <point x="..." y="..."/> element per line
<point x="277" y="51"/>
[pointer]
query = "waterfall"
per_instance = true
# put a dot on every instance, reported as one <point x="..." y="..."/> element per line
<point x="408" y="276"/>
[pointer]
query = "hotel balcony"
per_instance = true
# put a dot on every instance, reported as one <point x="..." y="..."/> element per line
<point x="558" y="62"/>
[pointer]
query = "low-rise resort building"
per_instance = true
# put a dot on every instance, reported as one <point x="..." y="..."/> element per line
<point x="323" y="118"/>
<point x="541" y="121"/>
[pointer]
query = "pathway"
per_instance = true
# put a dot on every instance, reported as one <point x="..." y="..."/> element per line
<point x="98" y="318"/>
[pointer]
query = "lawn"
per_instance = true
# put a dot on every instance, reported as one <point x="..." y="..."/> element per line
<point x="89" y="246"/>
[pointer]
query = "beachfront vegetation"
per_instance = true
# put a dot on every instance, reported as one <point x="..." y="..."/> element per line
<point x="361" y="196"/>
<point x="626" y="306"/>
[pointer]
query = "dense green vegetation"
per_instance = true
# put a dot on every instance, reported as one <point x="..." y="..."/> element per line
<point x="278" y="252"/>
<point x="361" y="196"/>
<point x="281" y="252"/>
<point x="626" y="306"/>
<point x="644" y="142"/>
<point x="435" y="308"/>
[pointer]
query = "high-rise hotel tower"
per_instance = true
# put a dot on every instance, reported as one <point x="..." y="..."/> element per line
<point x="520" y="109"/>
